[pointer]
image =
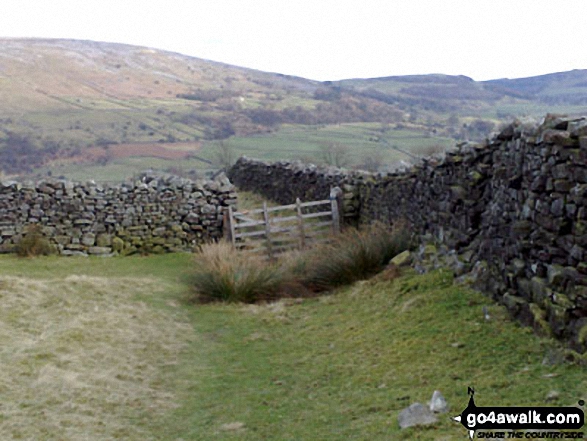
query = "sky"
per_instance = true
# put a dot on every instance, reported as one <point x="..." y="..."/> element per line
<point x="327" y="39"/>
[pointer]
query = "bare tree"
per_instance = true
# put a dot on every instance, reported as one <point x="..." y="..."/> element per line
<point x="333" y="153"/>
<point x="225" y="155"/>
<point x="453" y="120"/>
<point x="372" y="161"/>
<point x="432" y="150"/>
<point x="105" y="158"/>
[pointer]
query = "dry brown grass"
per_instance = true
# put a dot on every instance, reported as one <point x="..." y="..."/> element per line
<point x="81" y="358"/>
<point x="356" y="254"/>
<point x="223" y="273"/>
<point x="34" y="243"/>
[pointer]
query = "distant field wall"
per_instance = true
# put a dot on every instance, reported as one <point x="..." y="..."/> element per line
<point x="515" y="208"/>
<point x="283" y="182"/>
<point x="153" y="214"/>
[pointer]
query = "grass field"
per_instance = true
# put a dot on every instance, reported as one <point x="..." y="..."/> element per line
<point x="100" y="349"/>
<point x="361" y="140"/>
<point x="119" y="170"/>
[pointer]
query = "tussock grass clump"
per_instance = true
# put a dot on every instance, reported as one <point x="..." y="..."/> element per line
<point x="357" y="254"/>
<point x="34" y="243"/>
<point x="222" y="273"/>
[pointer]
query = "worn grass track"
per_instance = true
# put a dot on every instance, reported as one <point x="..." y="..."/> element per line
<point x="343" y="366"/>
<point x="113" y="349"/>
<point x="83" y="355"/>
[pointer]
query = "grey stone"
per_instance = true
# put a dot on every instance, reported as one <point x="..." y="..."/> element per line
<point x="192" y="218"/>
<point x="416" y="415"/>
<point x="82" y="222"/>
<point x="453" y="262"/>
<point x="438" y="403"/>
<point x="82" y="218"/>
<point x="557" y="207"/>
<point x="73" y="253"/>
<point x="88" y="239"/>
<point x="160" y="231"/>
<point x="44" y="188"/>
<point x="578" y="128"/>
<point x="99" y="250"/>
<point x="553" y="395"/>
<point x="62" y="240"/>
<point x="540" y="290"/>
<point x="207" y="209"/>
<point x="555" y="274"/>
<point x="555" y="136"/>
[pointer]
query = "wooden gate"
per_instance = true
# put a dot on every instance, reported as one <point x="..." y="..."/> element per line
<point x="272" y="230"/>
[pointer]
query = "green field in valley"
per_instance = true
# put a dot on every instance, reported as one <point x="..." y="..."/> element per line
<point x="359" y="142"/>
<point x="362" y="140"/>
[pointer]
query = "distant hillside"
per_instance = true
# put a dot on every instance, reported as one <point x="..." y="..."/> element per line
<point x="557" y="88"/>
<point x="69" y="104"/>
<point x="60" y="97"/>
<point x="460" y="94"/>
<point x="440" y="93"/>
<point x="69" y="74"/>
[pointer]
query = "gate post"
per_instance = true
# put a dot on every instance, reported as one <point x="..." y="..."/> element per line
<point x="228" y="226"/>
<point x="301" y="224"/>
<point x="335" y="194"/>
<point x="267" y="230"/>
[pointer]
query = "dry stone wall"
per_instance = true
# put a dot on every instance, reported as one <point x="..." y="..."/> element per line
<point x="514" y="208"/>
<point x="152" y="214"/>
<point x="283" y="182"/>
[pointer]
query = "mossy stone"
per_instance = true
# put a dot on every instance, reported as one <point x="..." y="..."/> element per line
<point x="402" y="259"/>
<point x="158" y="250"/>
<point x="429" y="251"/>
<point x="136" y="241"/>
<point x="117" y="244"/>
<point x="129" y="250"/>
<point x="513" y="303"/>
<point x="541" y="326"/>
<point x="558" y="318"/>
<point x="104" y="240"/>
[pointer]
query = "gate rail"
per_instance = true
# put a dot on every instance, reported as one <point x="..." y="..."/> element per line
<point x="273" y="230"/>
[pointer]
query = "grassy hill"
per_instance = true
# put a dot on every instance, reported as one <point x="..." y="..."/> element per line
<point x="71" y="74"/>
<point x="64" y="96"/>
<point x="557" y="88"/>
<point x="564" y="92"/>
<point x="86" y="109"/>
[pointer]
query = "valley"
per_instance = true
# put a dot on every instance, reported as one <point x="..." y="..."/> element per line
<point x="104" y="111"/>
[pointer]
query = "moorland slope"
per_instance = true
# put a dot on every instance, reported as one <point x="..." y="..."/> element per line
<point x="70" y="102"/>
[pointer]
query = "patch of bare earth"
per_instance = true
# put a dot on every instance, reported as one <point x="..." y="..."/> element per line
<point x="81" y="358"/>
<point x="173" y="152"/>
<point x="178" y="150"/>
